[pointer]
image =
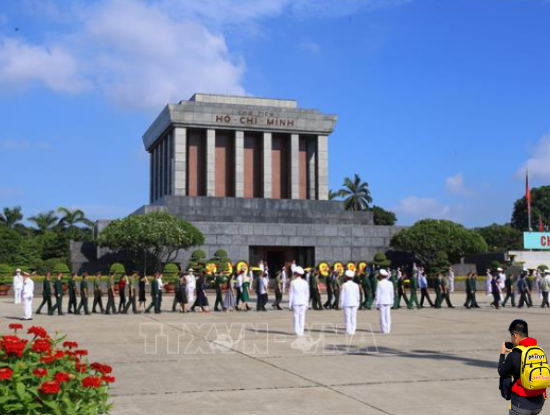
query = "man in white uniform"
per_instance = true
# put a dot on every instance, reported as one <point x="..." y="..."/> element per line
<point x="488" y="279"/>
<point x="17" y="286"/>
<point x="190" y="285"/>
<point x="384" y="300"/>
<point x="27" y="296"/>
<point x="501" y="279"/>
<point x="283" y="279"/>
<point x="451" y="278"/>
<point x="350" y="299"/>
<point x="298" y="299"/>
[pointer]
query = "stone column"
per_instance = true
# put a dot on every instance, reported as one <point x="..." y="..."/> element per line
<point x="322" y="166"/>
<point x="294" y="166"/>
<point x="152" y="176"/>
<point x="210" y="162"/>
<point x="312" y="169"/>
<point x="239" y="163"/>
<point x="162" y="166"/>
<point x="157" y="172"/>
<point x="268" y="177"/>
<point x="179" y="167"/>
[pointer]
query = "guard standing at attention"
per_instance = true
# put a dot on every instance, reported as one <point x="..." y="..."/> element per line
<point x="84" y="295"/>
<point x="72" y="294"/>
<point x="110" y="309"/>
<point x="58" y="290"/>
<point x="98" y="300"/>
<point x="46" y="294"/>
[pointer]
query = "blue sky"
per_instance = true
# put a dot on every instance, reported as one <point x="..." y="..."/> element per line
<point x="442" y="104"/>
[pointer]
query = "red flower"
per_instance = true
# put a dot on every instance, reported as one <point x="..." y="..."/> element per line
<point x="59" y="354"/>
<point x="80" y="367"/>
<point x="62" y="377"/>
<point x="40" y="372"/>
<point x="81" y="352"/>
<point x="15" y="327"/>
<point x="91" y="382"/>
<point x="5" y="373"/>
<point x="41" y="346"/>
<point x="70" y="345"/>
<point x="13" y="345"/>
<point x="38" y="331"/>
<point x="98" y="367"/>
<point x="50" y="388"/>
<point x="47" y="359"/>
<point x="108" y="379"/>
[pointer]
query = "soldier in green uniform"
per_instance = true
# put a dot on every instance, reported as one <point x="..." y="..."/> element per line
<point x="154" y="295"/>
<point x="72" y="294"/>
<point x="219" y="282"/>
<point x="358" y="279"/>
<point x="401" y="293"/>
<point x="336" y="291"/>
<point x="393" y="279"/>
<point x="438" y="288"/>
<point x="330" y="294"/>
<point x="468" y="302"/>
<point x="98" y="294"/>
<point x="413" y="285"/>
<point x="132" y="294"/>
<point x="58" y="291"/>
<point x="373" y="284"/>
<point x="110" y="308"/>
<point x="278" y="291"/>
<point x="314" y="290"/>
<point x="84" y="295"/>
<point x="445" y="292"/>
<point x="46" y="294"/>
<point x="510" y="294"/>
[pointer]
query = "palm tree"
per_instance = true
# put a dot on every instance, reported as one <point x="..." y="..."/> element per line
<point x="332" y="195"/>
<point x="44" y="221"/>
<point x="11" y="217"/>
<point x="356" y="194"/>
<point x="72" y="217"/>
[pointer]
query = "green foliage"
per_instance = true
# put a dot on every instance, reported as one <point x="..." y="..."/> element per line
<point x="10" y="217"/>
<point x="540" y="205"/>
<point x="495" y="264"/>
<point x="381" y="260"/>
<point x="118" y="269"/>
<point x="50" y="264"/>
<point x="44" y="221"/>
<point x="6" y="271"/>
<point x="61" y="267"/>
<point x="155" y="237"/>
<point x="501" y="238"/>
<point x="198" y="254"/>
<point x="220" y="253"/>
<point x="441" y="264"/>
<point x="383" y="217"/>
<point x="429" y="236"/>
<point x="542" y="267"/>
<point x="171" y="270"/>
<point x="356" y="194"/>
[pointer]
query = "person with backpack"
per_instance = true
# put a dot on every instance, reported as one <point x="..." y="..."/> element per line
<point x="527" y="365"/>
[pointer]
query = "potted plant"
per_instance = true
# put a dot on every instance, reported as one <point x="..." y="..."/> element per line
<point x="170" y="273"/>
<point x="6" y="275"/>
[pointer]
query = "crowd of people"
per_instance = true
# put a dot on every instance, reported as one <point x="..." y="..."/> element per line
<point x="347" y="289"/>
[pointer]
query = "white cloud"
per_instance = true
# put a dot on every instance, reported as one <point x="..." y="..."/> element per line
<point x="539" y="163"/>
<point x="142" y="54"/>
<point x="455" y="185"/>
<point x="413" y="208"/>
<point x="24" y="145"/>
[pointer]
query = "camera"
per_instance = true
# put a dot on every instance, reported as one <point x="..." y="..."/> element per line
<point x="509" y="345"/>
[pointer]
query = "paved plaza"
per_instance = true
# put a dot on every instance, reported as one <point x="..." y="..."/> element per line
<point x="434" y="362"/>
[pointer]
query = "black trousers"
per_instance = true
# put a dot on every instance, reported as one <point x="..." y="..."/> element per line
<point x="330" y="298"/>
<point x="496" y="299"/>
<point x="424" y="294"/>
<point x="122" y="303"/>
<point x="154" y="304"/>
<point x="83" y="305"/>
<point x="447" y="298"/>
<point x="98" y="301"/>
<point x="219" y="300"/>
<point x="58" y="305"/>
<point x="278" y="298"/>
<point x="131" y="303"/>
<point x="239" y="293"/>
<point x="111" y="308"/>
<point x="336" y="304"/>
<point x="263" y="301"/>
<point x="525" y="299"/>
<point x="72" y="303"/>
<point x="46" y="300"/>
<point x="316" y="297"/>
<point x="545" y="299"/>
<point x="510" y="295"/>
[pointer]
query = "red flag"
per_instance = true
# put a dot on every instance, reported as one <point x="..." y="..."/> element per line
<point x="528" y="197"/>
<point x="541" y="226"/>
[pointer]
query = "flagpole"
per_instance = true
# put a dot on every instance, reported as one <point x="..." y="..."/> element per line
<point x="528" y="196"/>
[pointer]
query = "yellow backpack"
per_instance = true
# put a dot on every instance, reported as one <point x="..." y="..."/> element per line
<point x="535" y="372"/>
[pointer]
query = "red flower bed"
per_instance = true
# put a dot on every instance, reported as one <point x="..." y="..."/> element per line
<point x="39" y="378"/>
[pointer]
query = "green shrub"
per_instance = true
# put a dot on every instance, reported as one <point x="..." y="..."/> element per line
<point x="495" y="264"/>
<point x="61" y="267"/>
<point x="381" y="260"/>
<point x="220" y="253"/>
<point x="117" y="269"/>
<point x="171" y="270"/>
<point x="50" y="264"/>
<point x="6" y="272"/>
<point x="543" y="267"/>
<point x="198" y="254"/>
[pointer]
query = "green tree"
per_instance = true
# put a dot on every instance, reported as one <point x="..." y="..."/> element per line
<point x="10" y="217"/>
<point x="540" y="205"/>
<point x="383" y="217"/>
<point x="501" y="238"/>
<point x="71" y="218"/>
<point x="332" y="195"/>
<point x="428" y="237"/>
<point x="155" y="237"/>
<point x="356" y="194"/>
<point x="44" y="221"/>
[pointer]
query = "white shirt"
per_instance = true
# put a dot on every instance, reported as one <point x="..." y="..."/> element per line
<point x="502" y="280"/>
<point x="28" y="288"/>
<point x="349" y="295"/>
<point x="264" y="283"/>
<point x="17" y="281"/>
<point x="298" y="293"/>
<point x="239" y="282"/>
<point x="384" y="293"/>
<point x="161" y="284"/>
